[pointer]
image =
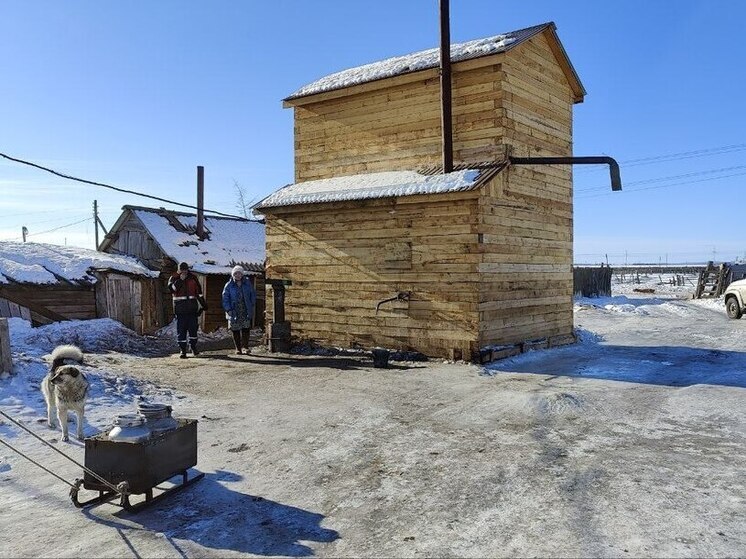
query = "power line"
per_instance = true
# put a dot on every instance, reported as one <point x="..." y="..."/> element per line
<point x="57" y="173"/>
<point x="674" y="157"/>
<point x="669" y="178"/>
<point x="666" y="185"/>
<point x="54" y="219"/>
<point x="40" y="212"/>
<point x="60" y="227"/>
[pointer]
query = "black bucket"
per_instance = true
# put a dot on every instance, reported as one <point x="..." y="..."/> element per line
<point x="380" y="357"/>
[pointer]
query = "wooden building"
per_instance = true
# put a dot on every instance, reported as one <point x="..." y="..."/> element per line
<point x="162" y="238"/>
<point x="45" y="283"/>
<point x="475" y="259"/>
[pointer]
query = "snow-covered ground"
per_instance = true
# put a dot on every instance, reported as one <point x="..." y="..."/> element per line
<point x="629" y="443"/>
<point x="110" y="392"/>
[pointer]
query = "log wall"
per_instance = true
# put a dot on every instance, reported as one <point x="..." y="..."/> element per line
<point x="68" y="301"/>
<point x="485" y="270"/>
<point x="344" y="258"/>
<point x="398" y="128"/>
<point x="526" y="214"/>
<point x="133" y="239"/>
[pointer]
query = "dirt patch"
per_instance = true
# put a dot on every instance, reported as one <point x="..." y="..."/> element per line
<point x="617" y="446"/>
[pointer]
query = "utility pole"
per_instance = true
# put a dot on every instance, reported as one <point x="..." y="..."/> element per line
<point x="24" y="232"/>
<point x="95" y="220"/>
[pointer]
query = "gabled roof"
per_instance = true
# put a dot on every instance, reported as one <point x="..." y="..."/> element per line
<point x="430" y="58"/>
<point x="228" y="241"/>
<point x="41" y="263"/>
<point x="380" y="185"/>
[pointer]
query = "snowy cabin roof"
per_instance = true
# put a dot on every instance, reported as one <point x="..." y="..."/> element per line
<point x="228" y="242"/>
<point x="39" y="263"/>
<point x="378" y="185"/>
<point x="430" y="58"/>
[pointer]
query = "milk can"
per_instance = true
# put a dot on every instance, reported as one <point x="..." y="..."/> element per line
<point x="157" y="417"/>
<point x="130" y="428"/>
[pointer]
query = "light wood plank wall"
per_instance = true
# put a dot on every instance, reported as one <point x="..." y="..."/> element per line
<point x="345" y="259"/>
<point x="397" y="128"/>
<point x="490" y="267"/>
<point x="526" y="288"/>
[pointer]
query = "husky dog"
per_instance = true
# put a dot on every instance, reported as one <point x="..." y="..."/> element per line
<point x="65" y="388"/>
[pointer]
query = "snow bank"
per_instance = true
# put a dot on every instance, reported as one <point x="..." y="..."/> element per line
<point x="93" y="336"/>
<point x="109" y="394"/>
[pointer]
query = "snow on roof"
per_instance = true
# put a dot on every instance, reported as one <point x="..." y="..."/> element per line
<point x="229" y="242"/>
<point x="416" y="61"/>
<point x="372" y="185"/>
<point x="40" y="263"/>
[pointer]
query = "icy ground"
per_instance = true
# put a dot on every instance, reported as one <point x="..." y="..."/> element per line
<point x="630" y="443"/>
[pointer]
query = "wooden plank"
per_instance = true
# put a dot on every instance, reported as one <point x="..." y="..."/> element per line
<point x="6" y="362"/>
<point x="5" y="309"/>
<point x="16" y="297"/>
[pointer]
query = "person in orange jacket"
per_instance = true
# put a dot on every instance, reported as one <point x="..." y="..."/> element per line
<point x="188" y="305"/>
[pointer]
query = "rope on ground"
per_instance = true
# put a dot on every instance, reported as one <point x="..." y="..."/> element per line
<point x="37" y="463"/>
<point x="87" y="470"/>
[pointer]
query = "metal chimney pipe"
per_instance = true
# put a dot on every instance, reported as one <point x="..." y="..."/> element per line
<point x="446" y="120"/>
<point x="614" y="173"/>
<point x="200" y="202"/>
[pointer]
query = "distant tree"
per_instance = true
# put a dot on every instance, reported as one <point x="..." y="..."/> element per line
<point x="243" y="203"/>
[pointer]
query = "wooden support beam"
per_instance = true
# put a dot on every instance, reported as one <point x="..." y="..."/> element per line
<point x="35" y="308"/>
<point x="6" y="363"/>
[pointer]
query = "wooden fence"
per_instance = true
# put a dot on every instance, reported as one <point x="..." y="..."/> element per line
<point x="592" y="282"/>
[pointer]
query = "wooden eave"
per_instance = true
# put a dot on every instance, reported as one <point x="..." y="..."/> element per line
<point x="488" y="172"/>
<point x="549" y="31"/>
<point x="114" y="229"/>
<point x="578" y="90"/>
<point x="112" y="234"/>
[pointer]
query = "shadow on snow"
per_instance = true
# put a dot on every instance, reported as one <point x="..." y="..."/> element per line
<point x="217" y="517"/>
<point x="660" y="365"/>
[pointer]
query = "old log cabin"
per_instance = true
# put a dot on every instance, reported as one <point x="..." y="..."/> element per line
<point x="162" y="238"/>
<point x="471" y="260"/>
<point x="45" y="283"/>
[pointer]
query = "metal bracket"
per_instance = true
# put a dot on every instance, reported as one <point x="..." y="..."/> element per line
<point x="401" y="296"/>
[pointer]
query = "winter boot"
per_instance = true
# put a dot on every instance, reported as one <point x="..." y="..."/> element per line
<point x="183" y="347"/>
<point x="246" y="335"/>
<point x="193" y="345"/>
<point x="237" y="341"/>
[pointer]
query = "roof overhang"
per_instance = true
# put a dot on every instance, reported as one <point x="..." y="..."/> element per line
<point x="550" y="33"/>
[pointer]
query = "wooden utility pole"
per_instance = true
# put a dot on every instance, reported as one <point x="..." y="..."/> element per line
<point x="95" y="220"/>
<point x="446" y="121"/>
<point x="6" y="364"/>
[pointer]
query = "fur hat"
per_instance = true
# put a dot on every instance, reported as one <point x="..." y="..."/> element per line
<point x="237" y="270"/>
<point x="183" y="266"/>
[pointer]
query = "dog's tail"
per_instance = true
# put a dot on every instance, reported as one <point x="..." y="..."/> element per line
<point x="65" y="353"/>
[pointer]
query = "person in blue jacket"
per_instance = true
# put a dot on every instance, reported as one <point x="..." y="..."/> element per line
<point x="239" y="299"/>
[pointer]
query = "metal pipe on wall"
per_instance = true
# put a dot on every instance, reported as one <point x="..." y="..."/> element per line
<point x="446" y="120"/>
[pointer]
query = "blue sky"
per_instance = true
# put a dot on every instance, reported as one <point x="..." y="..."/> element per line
<point x="137" y="94"/>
